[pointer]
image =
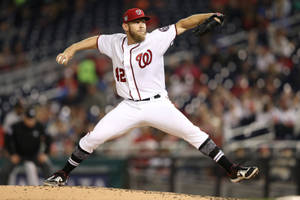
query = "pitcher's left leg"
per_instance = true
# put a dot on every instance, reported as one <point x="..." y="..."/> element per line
<point x="165" y="116"/>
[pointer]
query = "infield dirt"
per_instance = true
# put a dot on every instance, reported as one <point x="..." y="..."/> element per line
<point x="89" y="193"/>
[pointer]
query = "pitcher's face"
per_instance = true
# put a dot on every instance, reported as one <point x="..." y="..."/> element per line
<point x="137" y="30"/>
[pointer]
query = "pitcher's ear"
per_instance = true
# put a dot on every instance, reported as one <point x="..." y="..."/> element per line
<point x="125" y="27"/>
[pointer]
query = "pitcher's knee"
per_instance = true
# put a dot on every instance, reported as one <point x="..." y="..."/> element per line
<point x="195" y="136"/>
<point x="90" y="142"/>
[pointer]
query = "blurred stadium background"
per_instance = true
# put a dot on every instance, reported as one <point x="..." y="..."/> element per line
<point x="239" y="84"/>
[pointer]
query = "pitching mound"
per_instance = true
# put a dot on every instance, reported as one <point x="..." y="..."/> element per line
<point x="88" y="193"/>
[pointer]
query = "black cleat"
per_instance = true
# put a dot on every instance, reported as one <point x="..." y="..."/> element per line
<point x="59" y="178"/>
<point x="240" y="173"/>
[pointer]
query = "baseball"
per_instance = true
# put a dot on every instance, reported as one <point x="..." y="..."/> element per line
<point x="59" y="58"/>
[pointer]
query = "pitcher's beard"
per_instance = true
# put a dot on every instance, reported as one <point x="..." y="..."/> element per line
<point x="136" y="37"/>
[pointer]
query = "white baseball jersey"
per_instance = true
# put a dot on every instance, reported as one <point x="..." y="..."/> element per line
<point x="139" y="75"/>
<point x="138" y="68"/>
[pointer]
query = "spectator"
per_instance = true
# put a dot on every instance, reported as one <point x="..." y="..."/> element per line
<point x="265" y="58"/>
<point x="93" y="98"/>
<point x="13" y="117"/>
<point x="281" y="8"/>
<point x="284" y="119"/>
<point x="87" y="72"/>
<point x="279" y="43"/>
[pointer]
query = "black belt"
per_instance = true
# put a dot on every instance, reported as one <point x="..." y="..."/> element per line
<point x="147" y="99"/>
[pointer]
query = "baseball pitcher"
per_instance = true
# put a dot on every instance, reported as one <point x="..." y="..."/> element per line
<point x="138" y="68"/>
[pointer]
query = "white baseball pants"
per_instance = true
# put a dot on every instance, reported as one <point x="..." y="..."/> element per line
<point x="158" y="113"/>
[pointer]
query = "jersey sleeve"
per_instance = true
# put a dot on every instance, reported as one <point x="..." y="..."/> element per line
<point x="105" y="44"/>
<point x="164" y="37"/>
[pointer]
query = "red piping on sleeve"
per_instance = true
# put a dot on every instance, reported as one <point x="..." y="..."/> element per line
<point x="123" y="44"/>
<point x="97" y="43"/>
<point x="175" y="30"/>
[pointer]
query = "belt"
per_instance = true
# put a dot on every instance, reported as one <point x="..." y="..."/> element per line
<point x="147" y="99"/>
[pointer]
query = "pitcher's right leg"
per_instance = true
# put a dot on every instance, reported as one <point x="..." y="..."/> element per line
<point x="118" y="121"/>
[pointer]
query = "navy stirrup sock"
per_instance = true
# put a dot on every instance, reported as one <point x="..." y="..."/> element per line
<point x="76" y="158"/>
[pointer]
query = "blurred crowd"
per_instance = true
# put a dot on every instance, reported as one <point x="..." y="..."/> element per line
<point x="216" y="87"/>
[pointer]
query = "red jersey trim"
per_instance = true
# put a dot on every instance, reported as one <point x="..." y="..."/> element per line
<point x="97" y="43"/>
<point x="175" y="31"/>
<point x="130" y="94"/>
<point x="133" y="72"/>
<point x="123" y="52"/>
<point x="123" y="44"/>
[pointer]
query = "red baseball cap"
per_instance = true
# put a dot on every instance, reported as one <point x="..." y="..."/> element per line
<point x="133" y="14"/>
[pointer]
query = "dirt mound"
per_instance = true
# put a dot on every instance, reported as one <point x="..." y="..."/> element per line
<point x="89" y="193"/>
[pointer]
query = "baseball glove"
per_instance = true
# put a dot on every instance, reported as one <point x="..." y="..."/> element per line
<point x="209" y="24"/>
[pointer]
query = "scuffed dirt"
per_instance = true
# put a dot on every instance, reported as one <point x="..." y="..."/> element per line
<point x="89" y="193"/>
